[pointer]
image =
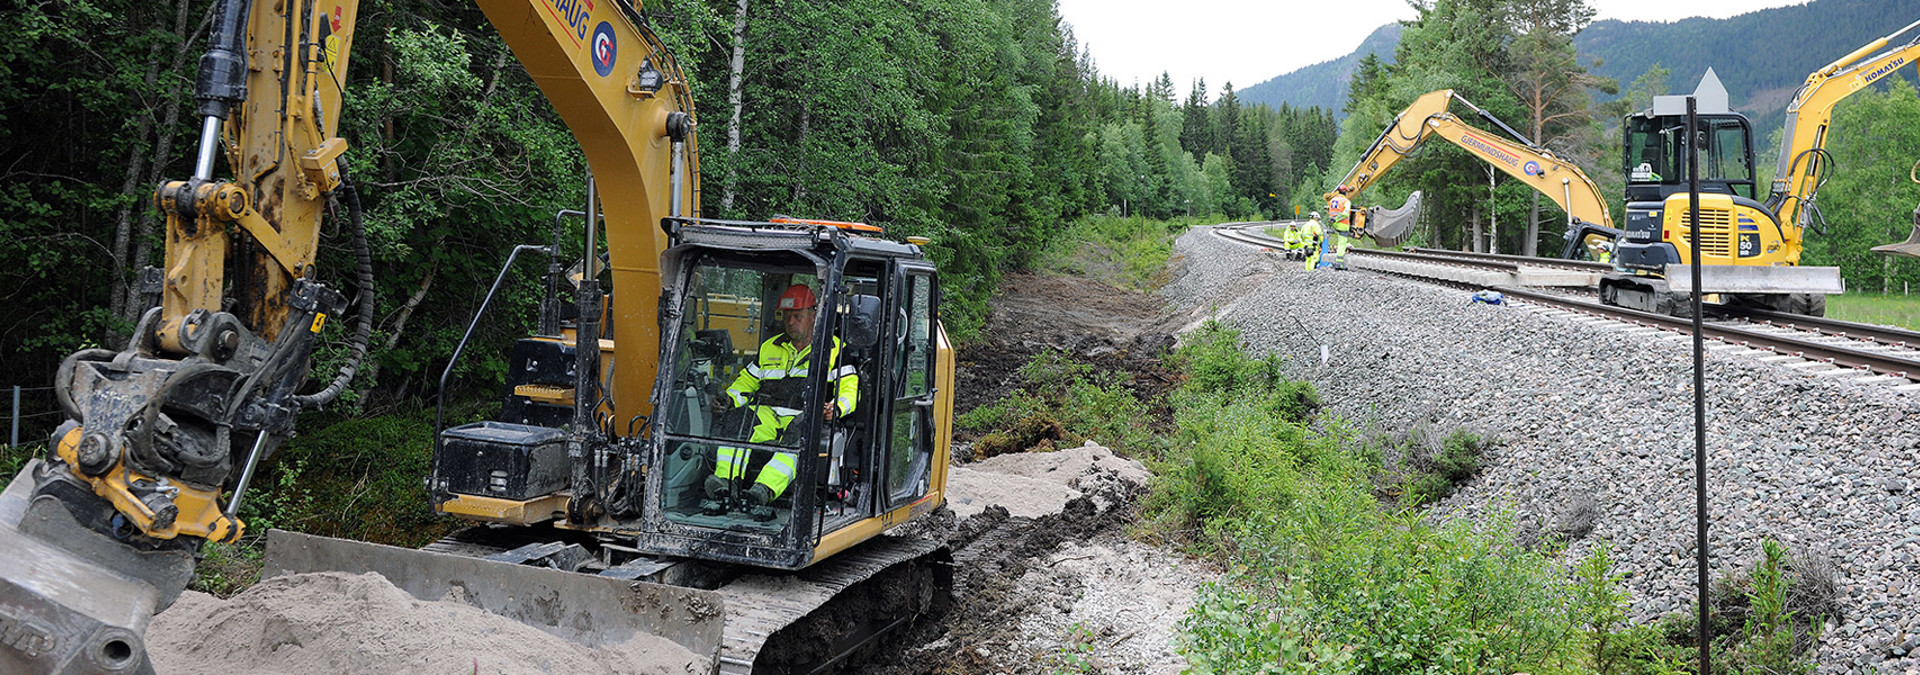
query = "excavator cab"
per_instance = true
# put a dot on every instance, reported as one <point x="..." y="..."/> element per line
<point x="742" y="404"/>
<point x="739" y="460"/>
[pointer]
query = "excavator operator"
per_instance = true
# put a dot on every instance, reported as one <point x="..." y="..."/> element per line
<point x="777" y="386"/>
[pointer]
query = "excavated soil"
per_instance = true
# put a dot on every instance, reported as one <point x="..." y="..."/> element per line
<point x="333" y="622"/>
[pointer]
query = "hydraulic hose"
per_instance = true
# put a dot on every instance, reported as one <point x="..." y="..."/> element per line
<point x="363" y="329"/>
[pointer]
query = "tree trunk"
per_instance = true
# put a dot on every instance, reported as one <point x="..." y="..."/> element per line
<point x="1530" y="247"/>
<point x="735" y="71"/>
<point x="131" y="189"/>
<point x="1476" y="243"/>
<point x="142" y="253"/>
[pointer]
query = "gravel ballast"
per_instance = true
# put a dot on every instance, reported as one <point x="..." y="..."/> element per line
<point x="1585" y="413"/>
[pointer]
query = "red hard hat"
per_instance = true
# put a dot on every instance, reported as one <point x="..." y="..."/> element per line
<point x="797" y="297"/>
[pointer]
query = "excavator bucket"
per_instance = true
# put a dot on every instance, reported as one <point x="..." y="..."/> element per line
<point x="590" y="610"/>
<point x="1390" y="227"/>
<point x="1906" y="249"/>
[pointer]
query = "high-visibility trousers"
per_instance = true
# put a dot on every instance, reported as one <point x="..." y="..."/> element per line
<point x="731" y="462"/>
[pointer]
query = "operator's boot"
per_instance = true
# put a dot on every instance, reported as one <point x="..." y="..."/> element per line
<point x="760" y="498"/>
<point x="718" y="490"/>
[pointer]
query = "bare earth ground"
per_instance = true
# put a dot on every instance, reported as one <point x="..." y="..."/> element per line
<point x="1046" y="579"/>
<point x="1112" y="328"/>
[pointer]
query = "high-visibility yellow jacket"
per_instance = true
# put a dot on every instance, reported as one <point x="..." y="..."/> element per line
<point x="1290" y="238"/>
<point x="782" y="371"/>
<point x="1310" y="231"/>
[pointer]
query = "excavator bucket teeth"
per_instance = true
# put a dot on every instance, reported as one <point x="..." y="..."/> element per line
<point x="1390" y="227"/>
<point x="1906" y="249"/>
<point x="586" y="609"/>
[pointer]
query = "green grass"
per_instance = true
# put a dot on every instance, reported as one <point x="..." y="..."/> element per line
<point x="1886" y="310"/>
<point x="1125" y="252"/>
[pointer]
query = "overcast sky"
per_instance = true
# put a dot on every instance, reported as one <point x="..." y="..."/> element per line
<point x="1247" y="42"/>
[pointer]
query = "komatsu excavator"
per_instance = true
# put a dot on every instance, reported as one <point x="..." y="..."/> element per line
<point x="1749" y="250"/>
<point x="594" y="521"/>
<point x="1429" y="116"/>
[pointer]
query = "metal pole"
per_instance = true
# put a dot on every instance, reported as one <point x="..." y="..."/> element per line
<point x="246" y="474"/>
<point x="15" y="442"/>
<point x="1699" y="388"/>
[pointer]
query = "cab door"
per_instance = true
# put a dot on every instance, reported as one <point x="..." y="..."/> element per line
<point x="909" y="439"/>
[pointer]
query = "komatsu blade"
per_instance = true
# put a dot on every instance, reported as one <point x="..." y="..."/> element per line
<point x="1390" y="227"/>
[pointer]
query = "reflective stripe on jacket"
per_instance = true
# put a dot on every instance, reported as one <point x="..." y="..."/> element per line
<point x="781" y="364"/>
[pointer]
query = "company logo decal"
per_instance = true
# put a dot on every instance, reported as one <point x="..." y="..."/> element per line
<point x="1482" y="145"/>
<point x="605" y="49"/>
<point x="1532" y="169"/>
<point x="573" y="13"/>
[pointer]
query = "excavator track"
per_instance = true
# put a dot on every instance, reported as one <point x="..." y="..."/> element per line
<point x="811" y="620"/>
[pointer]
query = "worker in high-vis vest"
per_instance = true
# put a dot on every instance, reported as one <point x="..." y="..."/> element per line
<point x="1290" y="240"/>
<point x="776" y="387"/>
<point x="1313" y="237"/>
<point x="1340" y="218"/>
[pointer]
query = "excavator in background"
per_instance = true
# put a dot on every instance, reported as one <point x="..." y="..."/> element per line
<point x="592" y="517"/>
<point x="1429" y="116"/>
<point x="1749" y="250"/>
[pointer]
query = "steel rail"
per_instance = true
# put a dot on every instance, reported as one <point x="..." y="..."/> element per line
<point x="1886" y="335"/>
<point x="1847" y="357"/>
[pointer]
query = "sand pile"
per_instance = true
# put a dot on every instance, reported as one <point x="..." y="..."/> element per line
<point x="1034" y="484"/>
<point x="308" y="624"/>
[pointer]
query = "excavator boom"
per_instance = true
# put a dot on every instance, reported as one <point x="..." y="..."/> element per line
<point x="1428" y="117"/>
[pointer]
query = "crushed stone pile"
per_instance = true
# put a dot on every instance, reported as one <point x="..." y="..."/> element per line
<point x="332" y="622"/>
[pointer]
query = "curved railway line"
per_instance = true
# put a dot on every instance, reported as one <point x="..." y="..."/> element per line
<point x="1820" y="347"/>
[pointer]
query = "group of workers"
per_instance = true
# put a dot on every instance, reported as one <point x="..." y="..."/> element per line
<point x="1318" y="245"/>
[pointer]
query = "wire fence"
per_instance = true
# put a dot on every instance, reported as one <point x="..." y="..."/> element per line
<point x="32" y="410"/>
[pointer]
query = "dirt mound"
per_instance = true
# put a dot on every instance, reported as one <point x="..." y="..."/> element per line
<point x="341" y="623"/>
<point x="1035" y="484"/>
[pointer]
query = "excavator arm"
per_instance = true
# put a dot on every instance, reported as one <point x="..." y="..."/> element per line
<point x="1803" y="159"/>
<point x="102" y="534"/>
<point x="1561" y="181"/>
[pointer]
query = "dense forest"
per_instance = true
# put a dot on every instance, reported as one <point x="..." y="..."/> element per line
<point x="981" y="123"/>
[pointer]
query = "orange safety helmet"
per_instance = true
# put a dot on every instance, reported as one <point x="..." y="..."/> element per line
<point x="797" y="296"/>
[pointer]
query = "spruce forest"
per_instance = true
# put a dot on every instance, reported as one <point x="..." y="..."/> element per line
<point x="980" y="123"/>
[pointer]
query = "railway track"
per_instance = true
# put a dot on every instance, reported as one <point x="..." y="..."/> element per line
<point x="1820" y="347"/>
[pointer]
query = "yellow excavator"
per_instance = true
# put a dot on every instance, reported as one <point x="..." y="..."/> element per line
<point x="1749" y="250"/>
<point x="1429" y="116"/>
<point x="599" y="506"/>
